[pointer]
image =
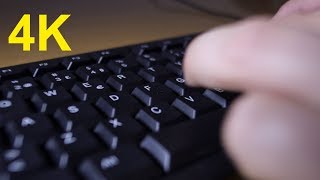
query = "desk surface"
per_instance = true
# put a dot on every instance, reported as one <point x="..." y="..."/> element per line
<point x="103" y="25"/>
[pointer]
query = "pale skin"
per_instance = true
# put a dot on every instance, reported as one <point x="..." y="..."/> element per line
<point x="273" y="130"/>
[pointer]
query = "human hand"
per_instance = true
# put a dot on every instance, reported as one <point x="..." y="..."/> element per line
<point x="272" y="131"/>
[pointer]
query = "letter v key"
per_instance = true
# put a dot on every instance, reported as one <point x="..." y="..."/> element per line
<point x="189" y="98"/>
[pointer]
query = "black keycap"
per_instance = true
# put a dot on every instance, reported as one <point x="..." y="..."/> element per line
<point x="97" y="71"/>
<point x="127" y="162"/>
<point x="177" y="85"/>
<point x="23" y="87"/>
<point x="146" y="48"/>
<point x="12" y="72"/>
<point x="223" y="98"/>
<point x="187" y="41"/>
<point x="30" y="128"/>
<point x="152" y="92"/>
<point x="125" y="81"/>
<point x="106" y="135"/>
<point x="175" y="67"/>
<point x="105" y="56"/>
<point x="174" y="44"/>
<point x="25" y="159"/>
<point x="174" y="55"/>
<point x="118" y="103"/>
<point x="158" y="116"/>
<point x="73" y="62"/>
<point x="121" y="129"/>
<point x="60" y="78"/>
<point x="90" y="91"/>
<point x="151" y="59"/>
<point x="49" y="100"/>
<point x="120" y="65"/>
<point x="10" y="106"/>
<point x="194" y="104"/>
<point x="178" y="145"/>
<point x="155" y="73"/>
<point x="214" y="167"/>
<point x="68" y="148"/>
<point x="38" y="69"/>
<point x="73" y="115"/>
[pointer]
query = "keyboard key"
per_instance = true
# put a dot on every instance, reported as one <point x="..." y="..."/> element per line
<point x="152" y="92"/>
<point x="125" y="81"/>
<point x="31" y="128"/>
<point x="104" y="133"/>
<point x="174" y="55"/>
<point x="105" y="56"/>
<point x="97" y="71"/>
<point x="120" y="65"/>
<point x="178" y="145"/>
<point x="68" y="148"/>
<point x="9" y="107"/>
<point x="127" y="162"/>
<point x="12" y="72"/>
<point x="175" y="68"/>
<point x="38" y="69"/>
<point x="146" y="48"/>
<point x="60" y="78"/>
<point x="158" y="116"/>
<point x="187" y="41"/>
<point x="175" y="44"/>
<point x="213" y="167"/>
<point x="90" y="91"/>
<point x="220" y="96"/>
<point x="25" y="159"/>
<point x="151" y="59"/>
<point x="71" y="116"/>
<point x="71" y="63"/>
<point x="194" y="104"/>
<point x="23" y="87"/>
<point x="118" y="103"/>
<point x="156" y="73"/>
<point x="121" y="129"/>
<point x="49" y="100"/>
<point x="177" y="85"/>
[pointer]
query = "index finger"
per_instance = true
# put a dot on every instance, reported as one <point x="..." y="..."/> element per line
<point x="258" y="55"/>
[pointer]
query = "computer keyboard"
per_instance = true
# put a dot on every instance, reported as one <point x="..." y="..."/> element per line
<point x="117" y="114"/>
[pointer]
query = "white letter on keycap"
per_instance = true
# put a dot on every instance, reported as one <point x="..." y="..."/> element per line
<point x="114" y="97"/>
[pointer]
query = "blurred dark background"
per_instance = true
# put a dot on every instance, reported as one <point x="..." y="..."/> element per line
<point x="100" y="24"/>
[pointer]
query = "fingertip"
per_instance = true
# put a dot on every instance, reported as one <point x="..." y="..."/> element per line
<point x="285" y="9"/>
<point x="201" y="54"/>
<point x="208" y="56"/>
<point x="272" y="138"/>
<point x="298" y="7"/>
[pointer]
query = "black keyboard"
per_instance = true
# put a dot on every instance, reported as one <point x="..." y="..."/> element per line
<point x="117" y="114"/>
